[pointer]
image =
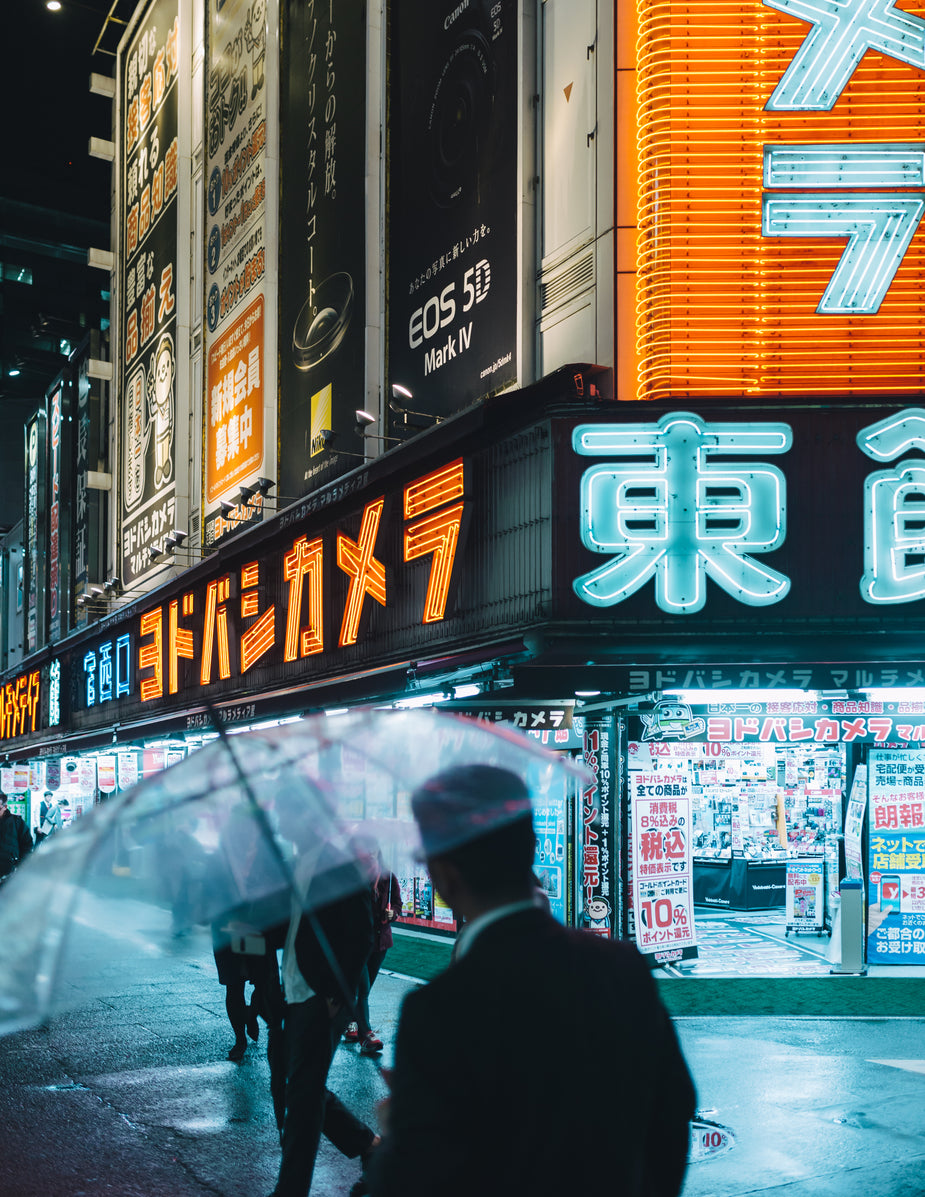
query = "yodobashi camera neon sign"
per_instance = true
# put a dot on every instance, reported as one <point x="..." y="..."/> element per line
<point x="664" y="511"/>
<point x="879" y="224"/>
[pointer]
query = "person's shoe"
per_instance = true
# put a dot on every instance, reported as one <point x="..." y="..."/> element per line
<point x="370" y="1045"/>
<point x="352" y="1033"/>
<point x="237" y="1052"/>
<point x="253" y="1026"/>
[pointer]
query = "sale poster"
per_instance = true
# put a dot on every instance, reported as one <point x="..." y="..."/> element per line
<point x="896" y="857"/>
<point x="662" y="868"/>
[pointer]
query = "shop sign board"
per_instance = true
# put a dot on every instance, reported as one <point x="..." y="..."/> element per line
<point x="150" y="273"/>
<point x="700" y="517"/>
<point x="238" y="337"/>
<point x="896" y="857"/>
<point x="781" y="196"/>
<point x="670" y="723"/>
<point x="453" y="242"/>
<point x="662" y="863"/>
<point x="57" y="587"/>
<point x="804" y="901"/>
<point x="322" y="242"/>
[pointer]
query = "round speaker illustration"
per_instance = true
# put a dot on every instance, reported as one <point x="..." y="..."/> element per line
<point x="322" y="322"/>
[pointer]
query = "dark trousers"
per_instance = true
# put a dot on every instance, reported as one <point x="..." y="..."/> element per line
<point x="369" y="974"/>
<point x="311" y="1108"/>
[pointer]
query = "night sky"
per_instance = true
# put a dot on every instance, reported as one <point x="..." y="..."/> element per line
<point x="48" y="112"/>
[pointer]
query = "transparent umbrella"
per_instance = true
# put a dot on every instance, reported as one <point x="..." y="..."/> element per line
<point x="216" y="838"/>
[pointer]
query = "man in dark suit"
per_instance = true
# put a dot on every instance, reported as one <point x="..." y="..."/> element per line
<point x="542" y="1062"/>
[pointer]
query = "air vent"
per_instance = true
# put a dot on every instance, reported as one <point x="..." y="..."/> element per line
<point x="194" y="527"/>
<point x="559" y="288"/>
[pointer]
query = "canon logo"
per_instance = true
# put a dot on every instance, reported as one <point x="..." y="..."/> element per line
<point x="457" y="12"/>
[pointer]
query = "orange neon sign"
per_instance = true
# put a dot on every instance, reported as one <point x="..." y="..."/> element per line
<point x="740" y="173"/>
<point x="19" y="704"/>
<point x="239" y="633"/>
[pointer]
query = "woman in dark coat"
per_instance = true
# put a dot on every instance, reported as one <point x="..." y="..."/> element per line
<point x="387" y="907"/>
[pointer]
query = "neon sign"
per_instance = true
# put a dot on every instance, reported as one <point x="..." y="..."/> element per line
<point x="667" y="511"/>
<point x="894" y="511"/>
<point x="230" y="627"/>
<point x="108" y="673"/>
<point x="19" y="705"/>
<point x="879" y="228"/>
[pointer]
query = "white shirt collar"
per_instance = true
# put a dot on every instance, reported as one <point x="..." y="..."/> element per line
<point x="471" y="931"/>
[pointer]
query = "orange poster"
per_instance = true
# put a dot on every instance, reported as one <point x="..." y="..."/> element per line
<point x="234" y="403"/>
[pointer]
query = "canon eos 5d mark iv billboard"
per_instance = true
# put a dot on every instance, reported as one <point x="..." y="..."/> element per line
<point x="453" y="242"/>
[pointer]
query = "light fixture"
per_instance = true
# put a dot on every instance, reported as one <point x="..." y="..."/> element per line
<point x="53" y="5"/>
<point x="14" y="373"/>
<point x="587" y="693"/>
<point x="363" y="420"/>
<point x="81" y="600"/>
<point x="397" y="406"/>
<point x="227" y="507"/>
<point x="245" y="494"/>
<point x="112" y="585"/>
<point x="154" y="552"/>
<point x="328" y="438"/>
<point x="96" y="591"/>
<point x="175" y="539"/>
<point x="264" y="486"/>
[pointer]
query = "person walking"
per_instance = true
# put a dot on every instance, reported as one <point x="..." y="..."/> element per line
<point x="52" y="816"/>
<point x="387" y="907"/>
<point x="323" y="959"/>
<point x="588" y="1093"/>
<point x="15" y="839"/>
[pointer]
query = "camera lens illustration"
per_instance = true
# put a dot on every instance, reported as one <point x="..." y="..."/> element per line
<point x="322" y="322"/>
<point x="460" y="117"/>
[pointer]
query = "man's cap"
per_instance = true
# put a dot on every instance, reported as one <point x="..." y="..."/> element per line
<point x="466" y="802"/>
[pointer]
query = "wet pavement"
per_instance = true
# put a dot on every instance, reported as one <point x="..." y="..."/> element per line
<point x="130" y="1095"/>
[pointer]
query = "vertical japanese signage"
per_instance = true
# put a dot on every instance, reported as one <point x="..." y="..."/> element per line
<point x="58" y="513"/>
<point x="322" y="252"/>
<point x="598" y="812"/>
<point x="453" y="241"/>
<point x="854" y="822"/>
<point x="896" y="857"/>
<point x="240" y="129"/>
<point x="35" y="558"/>
<point x="149" y="264"/>
<point x="662" y="867"/>
<point x="81" y="471"/>
<point x="780" y="246"/>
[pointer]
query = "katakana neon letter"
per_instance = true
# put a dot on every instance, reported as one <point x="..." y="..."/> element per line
<point x="666" y="510"/>
<point x="842" y="32"/>
<point x="878" y="226"/>
<point x="894" y="502"/>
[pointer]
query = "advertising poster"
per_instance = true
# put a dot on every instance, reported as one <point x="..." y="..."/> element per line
<point x="149" y="264"/>
<point x="59" y="511"/>
<point x="239" y="131"/>
<point x="804" y="900"/>
<point x="106" y="774"/>
<point x="549" y="825"/>
<point x="453" y="172"/>
<point x="35" y="560"/>
<point x="81" y="519"/>
<point x="322" y="245"/>
<point x="854" y="822"/>
<point x="662" y="866"/>
<point x="597" y="897"/>
<point x="896" y="857"/>
<point x="127" y="768"/>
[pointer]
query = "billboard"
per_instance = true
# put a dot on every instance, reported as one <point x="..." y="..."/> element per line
<point x="781" y="188"/>
<point x="322" y="246"/>
<point x="35" y="562"/>
<point x="453" y="176"/>
<point x="147" y="212"/>
<point x="240" y="133"/>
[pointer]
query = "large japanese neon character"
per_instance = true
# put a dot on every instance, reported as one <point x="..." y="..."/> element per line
<point x="879" y="227"/>
<point x="366" y="573"/>
<point x="436" y="534"/>
<point x="667" y="511"/>
<point x="894" y="511"/>
<point x="842" y="33"/>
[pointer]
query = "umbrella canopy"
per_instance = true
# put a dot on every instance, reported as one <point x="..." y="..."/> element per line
<point x="215" y="839"/>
